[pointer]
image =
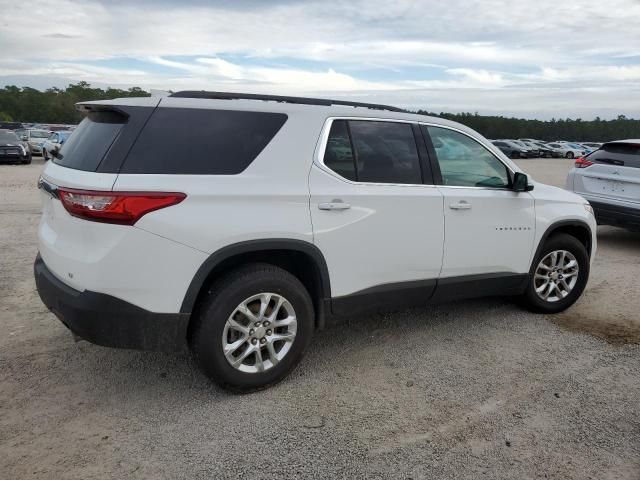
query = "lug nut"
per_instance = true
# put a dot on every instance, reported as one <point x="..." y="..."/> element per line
<point x="257" y="324"/>
<point x="269" y="332"/>
<point x="254" y="341"/>
<point x="266" y="324"/>
<point x="252" y="331"/>
<point x="263" y="340"/>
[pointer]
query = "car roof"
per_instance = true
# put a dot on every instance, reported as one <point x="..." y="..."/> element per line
<point x="630" y="140"/>
<point x="270" y="103"/>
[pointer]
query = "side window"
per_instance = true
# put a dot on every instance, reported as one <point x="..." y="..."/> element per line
<point x="183" y="141"/>
<point x="338" y="155"/>
<point x="373" y="151"/>
<point x="466" y="163"/>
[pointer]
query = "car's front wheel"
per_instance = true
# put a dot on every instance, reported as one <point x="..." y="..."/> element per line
<point x="558" y="276"/>
<point x="253" y="327"/>
<point x="569" y="155"/>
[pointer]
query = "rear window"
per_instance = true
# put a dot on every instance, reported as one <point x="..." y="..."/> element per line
<point x="624" y="148"/>
<point x="85" y="149"/>
<point x="619" y="154"/>
<point x="201" y="141"/>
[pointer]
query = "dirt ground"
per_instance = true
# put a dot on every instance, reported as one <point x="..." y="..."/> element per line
<point x="477" y="389"/>
<point x="610" y="309"/>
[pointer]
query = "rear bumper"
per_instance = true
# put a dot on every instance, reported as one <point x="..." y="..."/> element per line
<point x="616" y="215"/>
<point x="109" y="321"/>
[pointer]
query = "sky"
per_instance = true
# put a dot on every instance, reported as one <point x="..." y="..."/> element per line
<point x="524" y="58"/>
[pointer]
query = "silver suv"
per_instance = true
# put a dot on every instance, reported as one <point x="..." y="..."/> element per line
<point x="609" y="178"/>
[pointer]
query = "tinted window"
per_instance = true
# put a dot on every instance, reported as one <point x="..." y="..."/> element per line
<point x="90" y="142"/>
<point x="620" y="154"/>
<point x="385" y="152"/>
<point x="201" y="142"/>
<point x="466" y="163"/>
<point x="624" y="148"/>
<point x="338" y="155"/>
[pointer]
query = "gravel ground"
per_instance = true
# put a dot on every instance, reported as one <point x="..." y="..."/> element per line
<point x="477" y="389"/>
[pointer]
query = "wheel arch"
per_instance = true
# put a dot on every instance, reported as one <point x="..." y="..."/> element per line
<point x="576" y="228"/>
<point x="302" y="259"/>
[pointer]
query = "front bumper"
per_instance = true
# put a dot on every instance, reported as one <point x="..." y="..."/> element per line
<point x="616" y="215"/>
<point x="9" y="158"/>
<point x="109" y="321"/>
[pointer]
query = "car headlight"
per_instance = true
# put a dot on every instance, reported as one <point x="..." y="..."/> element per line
<point x="588" y="208"/>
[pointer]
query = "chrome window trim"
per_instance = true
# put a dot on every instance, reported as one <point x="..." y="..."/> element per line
<point x="318" y="159"/>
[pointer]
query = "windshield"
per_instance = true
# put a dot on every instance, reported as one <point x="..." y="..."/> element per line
<point x="8" y="137"/>
<point x="39" y="134"/>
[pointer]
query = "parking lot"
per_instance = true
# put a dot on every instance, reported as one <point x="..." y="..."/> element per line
<point x="475" y="389"/>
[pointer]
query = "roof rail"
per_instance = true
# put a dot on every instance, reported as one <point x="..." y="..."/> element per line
<point x="279" y="98"/>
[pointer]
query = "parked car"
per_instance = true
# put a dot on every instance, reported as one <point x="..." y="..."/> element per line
<point x="544" y="150"/>
<point x="265" y="216"/>
<point x="566" y="150"/>
<point x="609" y="179"/>
<point x="12" y="149"/>
<point x="531" y="151"/>
<point x="54" y="142"/>
<point x="593" y="146"/>
<point x="510" y="149"/>
<point x="34" y="138"/>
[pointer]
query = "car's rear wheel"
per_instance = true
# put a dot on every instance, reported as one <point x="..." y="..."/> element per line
<point x="44" y="154"/>
<point x="569" y="155"/>
<point x="253" y="327"/>
<point x="515" y="154"/>
<point x="558" y="276"/>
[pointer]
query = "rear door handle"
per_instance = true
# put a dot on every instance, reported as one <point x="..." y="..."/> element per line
<point x="334" y="205"/>
<point x="462" y="205"/>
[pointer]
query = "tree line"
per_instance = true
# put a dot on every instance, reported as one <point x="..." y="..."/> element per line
<point x="56" y="105"/>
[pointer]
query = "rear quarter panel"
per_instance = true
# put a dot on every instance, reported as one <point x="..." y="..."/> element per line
<point x="269" y="199"/>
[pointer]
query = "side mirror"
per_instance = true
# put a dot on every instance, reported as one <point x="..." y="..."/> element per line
<point x="25" y="138"/>
<point x="521" y="182"/>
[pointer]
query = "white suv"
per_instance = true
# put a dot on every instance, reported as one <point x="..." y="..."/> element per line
<point x="238" y="224"/>
<point x="609" y="178"/>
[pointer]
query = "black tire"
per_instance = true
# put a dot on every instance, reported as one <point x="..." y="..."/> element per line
<point x="559" y="241"/>
<point x="27" y="161"/>
<point x="515" y="154"/>
<point x="569" y="155"/>
<point x="44" y="155"/>
<point x="221" y="300"/>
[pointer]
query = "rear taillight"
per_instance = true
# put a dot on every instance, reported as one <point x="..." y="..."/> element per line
<point x="124" y="208"/>
<point x="582" y="162"/>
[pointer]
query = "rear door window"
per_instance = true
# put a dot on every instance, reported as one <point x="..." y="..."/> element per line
<point x="201" y="141"/>
<point x="338" y="155"/>
<point x="85" y="149"/>
<point x="373" y="152"/>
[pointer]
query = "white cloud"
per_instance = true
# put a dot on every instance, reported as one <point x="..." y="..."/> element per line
<point x="531" y="57"/>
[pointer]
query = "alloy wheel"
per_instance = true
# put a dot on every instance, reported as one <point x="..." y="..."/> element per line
<point x="556" y="275"/>
<point x="259" y="333"/>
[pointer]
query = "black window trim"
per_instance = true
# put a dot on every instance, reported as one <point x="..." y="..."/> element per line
<point x="437" y="174"/>
<point x="422" y="153"/>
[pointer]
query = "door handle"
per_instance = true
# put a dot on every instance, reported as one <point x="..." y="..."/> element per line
<point x="462" y="205"/>
<point x="334" y="205"/>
